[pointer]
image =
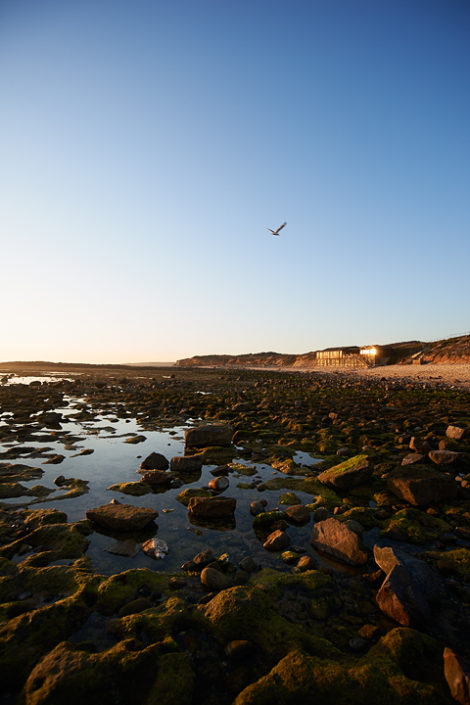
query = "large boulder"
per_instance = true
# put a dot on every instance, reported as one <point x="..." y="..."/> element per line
<point x="212" y="507"/>
<point x="155" y="461"/>
<point x="352" y="472"/>
<point x="335" y="538"/>
<point x="121" y="517"/>
<point x="426" y="578"/>
<point x="209" y="435"/>
<point x="420" y="486"/>
<point x="399" y="598"/>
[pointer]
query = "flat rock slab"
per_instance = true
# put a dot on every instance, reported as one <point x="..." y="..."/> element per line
<point x="186" y="463"/>
<point x="351" y="473"/>
<point x="209" y="435"/>
<point x="156" y="478"/>
<point x="121" y="517"/>
<point x="444" y="457"/>
<point x="396" y="597"/>
<point x="421" y="486"/>
<point x="335" y="538"/>
<point x="212" y="507"/>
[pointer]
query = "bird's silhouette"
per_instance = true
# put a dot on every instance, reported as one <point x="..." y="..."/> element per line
<point x="276" y="232"/>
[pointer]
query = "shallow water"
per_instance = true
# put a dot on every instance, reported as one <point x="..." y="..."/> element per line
<point x="115" y="461"/>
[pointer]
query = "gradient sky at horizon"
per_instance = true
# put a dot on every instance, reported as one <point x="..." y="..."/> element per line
<point x="146" y="146"/>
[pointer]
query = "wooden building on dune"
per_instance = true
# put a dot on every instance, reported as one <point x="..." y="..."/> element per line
<point x="352" y="356"/>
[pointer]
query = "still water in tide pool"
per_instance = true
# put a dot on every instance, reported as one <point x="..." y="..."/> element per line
<point x="115" y="461"/>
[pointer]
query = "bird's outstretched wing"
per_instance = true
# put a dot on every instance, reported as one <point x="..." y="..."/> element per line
<point x="280" y="227"/>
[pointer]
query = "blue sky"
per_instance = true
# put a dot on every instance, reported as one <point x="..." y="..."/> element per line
<point x="146" y="146"/>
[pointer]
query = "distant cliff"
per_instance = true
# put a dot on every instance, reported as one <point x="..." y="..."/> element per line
<point x="451" y="350"/>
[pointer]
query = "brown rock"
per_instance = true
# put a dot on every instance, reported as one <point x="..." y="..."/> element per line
<point x="444" y="457"/>
<point x="219" y="484"/>
<point x="209" y="435"/>
<point x="186" y="463"/>
<point x="418" y="445"/>
<point x="455" y="432"/>
<point x="335" y="538"/>
<point x="412" y="458"/>
<point x="156" y="478"/>
<point x="394" y="597"/>
<point x="214" y="580"/>
<point x="297" y="514"/>
<point x="457" y="675"/>
<point x="420" y="487"/>
<point x="121" y="517"/>
<point x="277" y="541"/>
<point x="212" y="507"/>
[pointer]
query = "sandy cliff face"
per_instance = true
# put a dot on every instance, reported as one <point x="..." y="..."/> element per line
<point x="450" y="351"/>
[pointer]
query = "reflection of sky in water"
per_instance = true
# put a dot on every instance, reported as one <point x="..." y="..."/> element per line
<point x="114" y="461"/>
<point x="6" y="380"/>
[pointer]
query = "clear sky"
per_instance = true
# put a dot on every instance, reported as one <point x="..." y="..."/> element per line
<point x="146" y="146"/>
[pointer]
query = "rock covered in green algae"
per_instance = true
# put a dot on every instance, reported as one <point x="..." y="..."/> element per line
<point x="121" y="517"/>
<point x="377" y="677"/>
<point x="350" y="473"/>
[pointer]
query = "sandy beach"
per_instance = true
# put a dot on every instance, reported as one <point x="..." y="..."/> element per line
<point x="457" y="375"/>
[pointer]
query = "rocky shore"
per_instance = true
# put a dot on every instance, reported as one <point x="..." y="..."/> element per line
<point x="356" y="588"/>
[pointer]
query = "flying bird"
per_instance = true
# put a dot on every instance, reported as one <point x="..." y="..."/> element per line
<point x="276" y="232"/>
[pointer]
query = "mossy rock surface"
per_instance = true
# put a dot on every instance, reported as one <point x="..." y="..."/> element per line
<point x="121" y="588"/>
<point x="415" y="526"/>
<point x="136" y="489"/>
<point x="184" y="496"/>
<point x="74" y="676"/>
<point x="299" y="677"/>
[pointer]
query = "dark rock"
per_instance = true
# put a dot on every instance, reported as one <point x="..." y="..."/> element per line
<point x="444" y="457"/>
<point x="210" y="435"/>
<point x="412" y="458"/>
<point x="321" y="513"/>
<point x="239" y="649"/>
<point x="297" y="514"/>
<point x="219" y="484"/>
<point x="306" y="563"/>
<point x="257" y="507"/>
<point x="212" y="507"/>
<point x="156" y="478"/>
<point x="418" y="445"/>
<point x="335" y="538"/>
<point x="396" y="597"/>
<point x="121" y="517"/>
<point x="186" y="463"/>
<point x="420" y="486"/>
<point x="155" y="461"/>
<point x="425" y="577"/>
<point x="277" y="541"/>
<point x="247" y="564"/>
<point x="214" y="580"/>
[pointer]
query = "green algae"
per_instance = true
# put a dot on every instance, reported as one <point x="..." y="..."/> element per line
<point x="415" y="526"/>
<point x="184" y="496"/>
<point x="120" y="588"/>
<point x="175" y="681"/>
<point x="136" y="489"/>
